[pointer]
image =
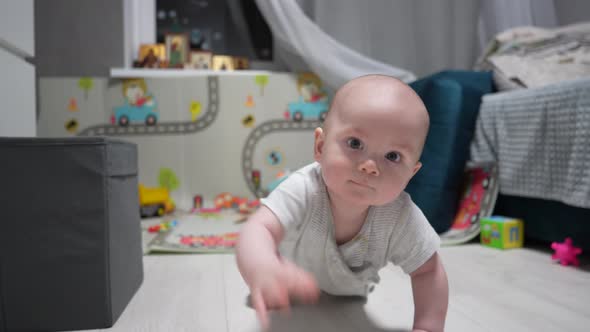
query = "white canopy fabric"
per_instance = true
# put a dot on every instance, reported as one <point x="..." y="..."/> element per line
<point x="334" y="62"/>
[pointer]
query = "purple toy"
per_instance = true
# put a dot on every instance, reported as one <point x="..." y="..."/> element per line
<point x="565" y="252"/>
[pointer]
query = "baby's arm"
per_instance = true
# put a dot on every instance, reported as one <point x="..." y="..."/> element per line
<point x="431" y="295"/>
<point x="271" y="279"/>
<point x="257" y="244"/>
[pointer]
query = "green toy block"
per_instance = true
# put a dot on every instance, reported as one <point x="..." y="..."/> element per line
<point x="502" y="232"/>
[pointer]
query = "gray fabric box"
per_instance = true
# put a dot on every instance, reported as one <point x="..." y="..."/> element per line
<point x="70" y="240"/>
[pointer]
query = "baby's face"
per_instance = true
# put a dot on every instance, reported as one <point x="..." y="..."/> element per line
<point x="371" y="146"/>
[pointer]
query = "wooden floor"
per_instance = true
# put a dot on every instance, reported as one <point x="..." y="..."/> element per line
<point x="490" y="290"/>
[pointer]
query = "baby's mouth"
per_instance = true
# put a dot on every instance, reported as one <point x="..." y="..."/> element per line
<point x="361" y="183"/>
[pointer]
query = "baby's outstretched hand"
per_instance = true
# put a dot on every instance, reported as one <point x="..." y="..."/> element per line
<point x="274" y="289"/>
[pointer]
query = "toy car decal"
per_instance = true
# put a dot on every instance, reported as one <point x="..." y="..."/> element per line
<point x="301" y="110"/>
<point x="139" y="105"/>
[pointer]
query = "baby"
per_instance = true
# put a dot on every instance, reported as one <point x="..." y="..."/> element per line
<point x="345" y="216"/>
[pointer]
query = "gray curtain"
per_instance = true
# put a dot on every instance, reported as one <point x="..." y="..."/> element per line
<point x="421" y="36"/>
<point x="341" y="39"/>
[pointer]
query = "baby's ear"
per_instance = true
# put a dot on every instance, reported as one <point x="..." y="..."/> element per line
<point x="318" y="145"/>
<point x="416" y="168"/>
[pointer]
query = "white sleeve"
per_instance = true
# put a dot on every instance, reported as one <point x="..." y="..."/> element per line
<point x="413" y="241"/>
<point x="290" y="200"/>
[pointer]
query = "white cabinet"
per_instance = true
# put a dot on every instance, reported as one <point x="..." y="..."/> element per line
<point x="17" y="76"/>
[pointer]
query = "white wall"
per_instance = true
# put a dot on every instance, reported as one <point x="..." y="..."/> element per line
<point x="572" y="11"/>
<point x="17" y="76"/>
<point x="79" y="38"/>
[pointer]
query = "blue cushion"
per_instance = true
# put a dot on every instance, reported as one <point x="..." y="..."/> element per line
<point x="452" y="99"/>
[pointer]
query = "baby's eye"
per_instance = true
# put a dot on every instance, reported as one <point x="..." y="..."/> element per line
<point x="393" y="156"/>
<point x="354" y="143"/>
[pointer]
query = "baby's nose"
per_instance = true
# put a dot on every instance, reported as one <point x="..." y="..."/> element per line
<point x="369" y="166"/>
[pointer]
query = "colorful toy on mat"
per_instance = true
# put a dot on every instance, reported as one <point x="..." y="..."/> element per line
<point x="224" y="201"/>
<point x="163" y="226"/>
<point x="502" y="232"/>
<point x="566" y="252"/>
<point x="246" y="206"/>
<point x="227" y="240"/>
<point x="209" y="212"/>
<point x="197" y="202"/>
<point x="154" y="201"/>
<point x="229" y="201"/>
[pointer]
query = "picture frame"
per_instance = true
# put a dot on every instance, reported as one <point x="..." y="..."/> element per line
<point x="151" y="55"/>
<point x="223" y="62"/>
<point x="200" y="60"/>
<point x="177" y="49"/>
<point x="241" y="63"/>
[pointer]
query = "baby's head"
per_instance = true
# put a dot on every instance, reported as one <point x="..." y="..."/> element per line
<point x="372" y="139"/>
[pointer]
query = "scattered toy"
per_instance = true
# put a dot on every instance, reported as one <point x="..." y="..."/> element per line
<point x="566" y="252"/>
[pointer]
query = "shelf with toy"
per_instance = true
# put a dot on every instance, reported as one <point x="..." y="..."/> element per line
<point x="180" y="72"/>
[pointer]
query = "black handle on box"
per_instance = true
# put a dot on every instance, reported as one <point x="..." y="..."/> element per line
<point x="2" y="313"/>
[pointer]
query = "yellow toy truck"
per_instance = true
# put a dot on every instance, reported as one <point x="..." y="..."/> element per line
<point x="154" y="201"/>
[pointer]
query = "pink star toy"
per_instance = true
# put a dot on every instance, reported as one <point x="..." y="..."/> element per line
<point x="565" y="252"/>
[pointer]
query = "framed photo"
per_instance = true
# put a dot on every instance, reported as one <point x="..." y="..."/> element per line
<point x="200" y="60"/>
<point x="177" y="49"/>
<point x="241" y="63"/>
<point x="151" y="55"/>
<point x="223" y="62"/>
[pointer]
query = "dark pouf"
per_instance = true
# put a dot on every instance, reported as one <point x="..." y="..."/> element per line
<point x="70" y="240"/>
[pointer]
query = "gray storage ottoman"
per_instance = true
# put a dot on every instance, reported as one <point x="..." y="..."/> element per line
<point x="70" y="240"/>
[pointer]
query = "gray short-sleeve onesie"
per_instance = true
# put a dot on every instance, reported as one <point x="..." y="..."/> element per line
<point x="396" y="232"/>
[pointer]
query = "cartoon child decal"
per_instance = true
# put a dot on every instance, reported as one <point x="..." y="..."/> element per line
<point x="309" y="86"/>
<point x="135" y="91"/>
